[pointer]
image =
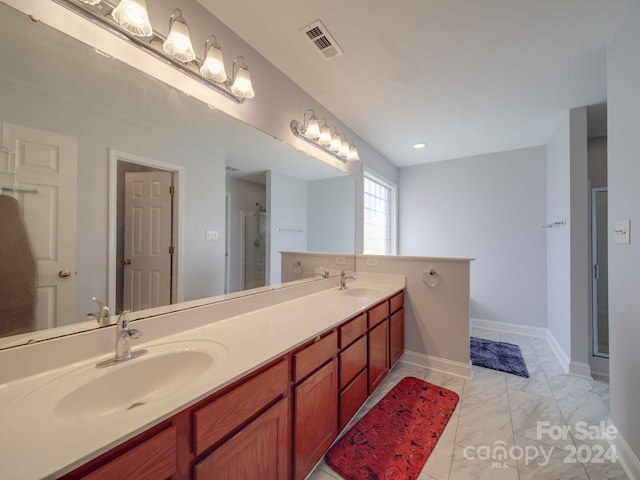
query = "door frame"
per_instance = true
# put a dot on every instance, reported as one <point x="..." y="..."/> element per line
<point x="595" y="350"/>
<point x="178" y="219"/>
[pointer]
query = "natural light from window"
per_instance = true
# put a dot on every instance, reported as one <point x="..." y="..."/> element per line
<point x="379" y="216"/>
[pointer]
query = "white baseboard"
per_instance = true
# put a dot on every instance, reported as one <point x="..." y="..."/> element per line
<point x="558" y="351"/>
<point x="627" y="458"/>
<point x="580" y="369"/>
<point x="509" y="327"/>
<point x="438" y="364"/>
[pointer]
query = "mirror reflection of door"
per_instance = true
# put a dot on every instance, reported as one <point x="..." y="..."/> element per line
<point x="43" y="168"/>
<point x="147" y="240"/>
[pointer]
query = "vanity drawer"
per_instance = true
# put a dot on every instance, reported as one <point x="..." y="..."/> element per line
<point x="314" y="355"/>
<point x="222" y="416"/>
<point x="152" y="459"/>
<point x="353" y="329"/>
<point x="397" y="301"/>
<point x="352" y="398"/>
<point x="378" y="313"/>
<point x="352" y="361"/>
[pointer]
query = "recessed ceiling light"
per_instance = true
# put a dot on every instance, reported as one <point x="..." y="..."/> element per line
<point x="419" y="146"/>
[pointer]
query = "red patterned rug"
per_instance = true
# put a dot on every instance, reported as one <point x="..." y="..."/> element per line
<point x="395" y="438"/>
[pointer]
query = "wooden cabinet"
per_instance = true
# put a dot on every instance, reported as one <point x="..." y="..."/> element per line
<point x="259" y="450"/>
<point x="315" y="415"/>
<point x="150" y="459"/>
<point x="378" y="354"/>
<point x="315" y="418"/>
<point x="396" y="336"/>
<point x="275" y="423"/>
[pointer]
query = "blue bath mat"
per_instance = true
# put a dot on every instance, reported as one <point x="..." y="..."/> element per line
<point x="502" y="356"/>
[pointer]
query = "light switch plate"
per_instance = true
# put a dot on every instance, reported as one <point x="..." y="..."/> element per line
<point x="212" y="235"/>
<point x="621" y="231"/>
<point x="341" y="261"/>
<point x="371" y="262"/>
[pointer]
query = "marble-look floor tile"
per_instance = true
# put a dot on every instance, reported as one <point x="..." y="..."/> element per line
<point x="572" y="381"/>
<point x="485" y="333"/>
<point x="538" y="418"/>
<point x="541" y="461"/>
<point x="579" y="405"/>
<point x="455" y="384"/>
<point x="439" y="462"/>
<point x="483" y="425"/>
<point x="487" y="385"/>
<point x="469" y="465"/>
<point x="536" y="384"/>
<point x="596" y="454"/>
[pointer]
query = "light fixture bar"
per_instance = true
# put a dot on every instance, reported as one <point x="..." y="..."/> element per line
<point x="298" y="130"/>
<point x="100" y="15"/>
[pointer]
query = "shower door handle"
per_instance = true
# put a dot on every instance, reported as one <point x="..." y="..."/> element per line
<point x="596" y="271"/>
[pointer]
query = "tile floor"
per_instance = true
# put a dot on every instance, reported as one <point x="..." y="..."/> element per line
<point x="524" y="416"/>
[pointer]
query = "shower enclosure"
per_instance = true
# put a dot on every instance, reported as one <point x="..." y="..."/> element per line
<point x="254" y="243"/>
<point x="600" y="307"/>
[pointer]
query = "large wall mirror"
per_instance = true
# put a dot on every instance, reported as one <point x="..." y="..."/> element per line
<point x="235" y="197"/>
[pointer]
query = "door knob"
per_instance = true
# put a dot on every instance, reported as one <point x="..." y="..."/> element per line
<point x="64" y="273"/>
<point x="127" y="261"/>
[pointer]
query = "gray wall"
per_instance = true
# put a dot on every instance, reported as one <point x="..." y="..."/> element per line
<point x="491" y="208"/>
<point x="623" y="87"/>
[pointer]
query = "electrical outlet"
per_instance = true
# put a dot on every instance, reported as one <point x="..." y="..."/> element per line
<point x="212" y="235"/>
<point x="341" y="261"/>
<point x="371" y="262"/>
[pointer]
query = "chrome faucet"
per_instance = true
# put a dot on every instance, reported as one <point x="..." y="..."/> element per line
<point x="102" y="316"/>
<point x="123" y="335"/>
<point x="344" y="277"/>
<point x="325" y="272"/>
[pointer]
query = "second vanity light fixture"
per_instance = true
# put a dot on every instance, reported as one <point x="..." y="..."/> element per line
<point x="130" y="19"/>
<point x="324" y="137"/>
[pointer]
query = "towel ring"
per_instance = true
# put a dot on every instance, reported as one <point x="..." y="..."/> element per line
<point x="430" y="277"/>
<point x="298" y="267"/>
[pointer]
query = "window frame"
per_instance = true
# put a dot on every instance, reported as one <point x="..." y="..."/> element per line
<point x="393" y="210"/>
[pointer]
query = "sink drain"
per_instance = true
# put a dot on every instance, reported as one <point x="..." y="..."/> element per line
<point x="137" y="404"/>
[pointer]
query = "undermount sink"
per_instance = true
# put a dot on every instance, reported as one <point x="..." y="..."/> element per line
<point x="90" y="393"/>
<point x="362" y="292"/>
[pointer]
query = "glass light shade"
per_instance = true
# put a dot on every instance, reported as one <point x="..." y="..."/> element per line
<point x="178" y="42"/>
<point x="313" y="128"/>
<point x="241" y="86"/>
<point x="325" y="136"/>
<point x="336" y="143"/>
<point x="213" y="65"/>
<point x="344" y="149"/>
<point x="353" y="153"/>
<point x="91" y="2"/>
<point x="133" y="17"/>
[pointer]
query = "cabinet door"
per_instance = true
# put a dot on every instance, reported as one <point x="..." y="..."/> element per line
<point x="155" y="458"/>
<point x="315" y="418"/>
<point x="378" y="354"/>
<point x="396" y="334"/>
<point x="259" y="450"/>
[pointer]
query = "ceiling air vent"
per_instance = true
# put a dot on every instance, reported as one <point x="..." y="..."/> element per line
<point x="320" y="37"/>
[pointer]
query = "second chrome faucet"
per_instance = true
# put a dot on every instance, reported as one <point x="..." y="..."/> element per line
<point x="124" y="334"/>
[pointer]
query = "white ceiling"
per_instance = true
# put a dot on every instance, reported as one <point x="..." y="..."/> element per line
<point x="464" y="76"/>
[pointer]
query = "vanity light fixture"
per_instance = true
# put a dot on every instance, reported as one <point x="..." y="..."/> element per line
<point x="241" y="84"/>
<point x="213" y="64"/>
<point x="178" y="42"/>
<point x="132" y="15"/>
<point x="325" y="135"/>
<point x="311" y="131"/>
<point x="129" y="20"/>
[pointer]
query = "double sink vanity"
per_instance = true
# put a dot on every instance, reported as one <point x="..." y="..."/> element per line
<point x="256" y="390"/>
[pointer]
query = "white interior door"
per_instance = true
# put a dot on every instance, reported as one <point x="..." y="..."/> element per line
<point x="147" y="240"/>
<point x="47" y="162"/>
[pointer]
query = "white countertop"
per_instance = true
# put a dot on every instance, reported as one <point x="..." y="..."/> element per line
<point x="36" y="443"/>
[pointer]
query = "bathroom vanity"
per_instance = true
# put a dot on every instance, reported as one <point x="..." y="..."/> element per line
<point x="284" y="380"/>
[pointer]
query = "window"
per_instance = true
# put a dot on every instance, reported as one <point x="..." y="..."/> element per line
<point x="379" y="233"/>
